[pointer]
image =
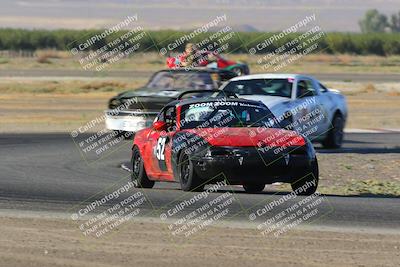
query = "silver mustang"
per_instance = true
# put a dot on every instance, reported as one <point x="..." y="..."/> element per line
<point x="299" y="102"/>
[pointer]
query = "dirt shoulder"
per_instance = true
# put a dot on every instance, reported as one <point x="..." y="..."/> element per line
<point x="57" y="242"/>
<point x="312" y="63"/>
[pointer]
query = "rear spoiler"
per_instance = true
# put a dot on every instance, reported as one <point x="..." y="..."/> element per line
<point x="218" y="93"/>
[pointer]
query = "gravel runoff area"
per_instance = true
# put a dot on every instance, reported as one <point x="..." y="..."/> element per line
<point x="58" y="242"/>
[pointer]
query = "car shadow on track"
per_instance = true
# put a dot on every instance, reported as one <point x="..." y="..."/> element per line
<point x="363" y="150"/>
<point x="283" y="193"/>
<point x="240" y="190"/>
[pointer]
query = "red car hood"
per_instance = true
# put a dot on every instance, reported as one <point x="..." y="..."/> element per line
<point x="242" y="137"/>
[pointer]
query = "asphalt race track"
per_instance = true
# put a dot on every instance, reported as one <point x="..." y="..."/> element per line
<point x="46" y="172"/>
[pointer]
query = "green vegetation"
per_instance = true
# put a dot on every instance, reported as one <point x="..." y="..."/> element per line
<point x="153" y="41"/>
<point x="370" y="187"/>
<point x="374" y="21"/>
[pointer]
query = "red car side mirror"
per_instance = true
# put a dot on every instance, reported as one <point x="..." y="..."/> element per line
<point x="159" y="125"/>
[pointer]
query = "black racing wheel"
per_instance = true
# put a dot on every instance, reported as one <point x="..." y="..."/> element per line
<point x="188" y="178"/>
<point x="334" y="139"/>
<point x="138" y="173"/>
<point x="306" y="184"/>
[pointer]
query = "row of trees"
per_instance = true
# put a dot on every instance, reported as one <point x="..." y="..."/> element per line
<point x="352" y="43"/>
<point x="374" y="21"/>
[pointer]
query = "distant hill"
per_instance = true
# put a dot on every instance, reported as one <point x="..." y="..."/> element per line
<point x="245" y="15"/>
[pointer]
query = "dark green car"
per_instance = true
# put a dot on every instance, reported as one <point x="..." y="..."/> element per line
<point x="134" y="110"/>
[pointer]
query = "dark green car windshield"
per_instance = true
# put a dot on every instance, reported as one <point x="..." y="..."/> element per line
<point x="181" y="80"/>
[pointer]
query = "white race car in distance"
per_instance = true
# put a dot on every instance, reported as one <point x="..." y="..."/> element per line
<point x="300" y="103"/>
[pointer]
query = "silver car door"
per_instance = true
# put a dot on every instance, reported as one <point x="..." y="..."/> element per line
<point x="307" y="109"/>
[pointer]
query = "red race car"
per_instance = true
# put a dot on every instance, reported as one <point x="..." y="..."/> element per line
<point x="198" y="141"/>
<point x="220" y="62"/>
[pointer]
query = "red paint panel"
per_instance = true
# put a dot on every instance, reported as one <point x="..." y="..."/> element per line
<point x="250" y="137"/>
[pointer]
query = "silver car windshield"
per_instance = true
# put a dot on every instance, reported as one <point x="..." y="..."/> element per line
<point x="272" y="87"/>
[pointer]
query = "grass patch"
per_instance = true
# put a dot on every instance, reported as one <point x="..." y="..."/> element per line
<point x="369" y="187"/>
<point x="3" y="61"/>
<point x="43" y="60"/>
<point x="348" y="167"/>
<point x="369" y="88"/>
<point x="106" y="86"/>
<point x="373" y="187"/>
<point x="67" y="87"/>
<point x="44" y="56"/>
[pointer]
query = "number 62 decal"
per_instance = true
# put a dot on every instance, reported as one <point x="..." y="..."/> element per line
<point x="160" y="149"/>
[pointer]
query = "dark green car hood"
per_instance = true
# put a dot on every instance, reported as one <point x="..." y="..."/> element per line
<point x="149" y="92"/>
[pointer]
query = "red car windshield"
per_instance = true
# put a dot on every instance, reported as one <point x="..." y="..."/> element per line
<point x="226" y="114"/>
